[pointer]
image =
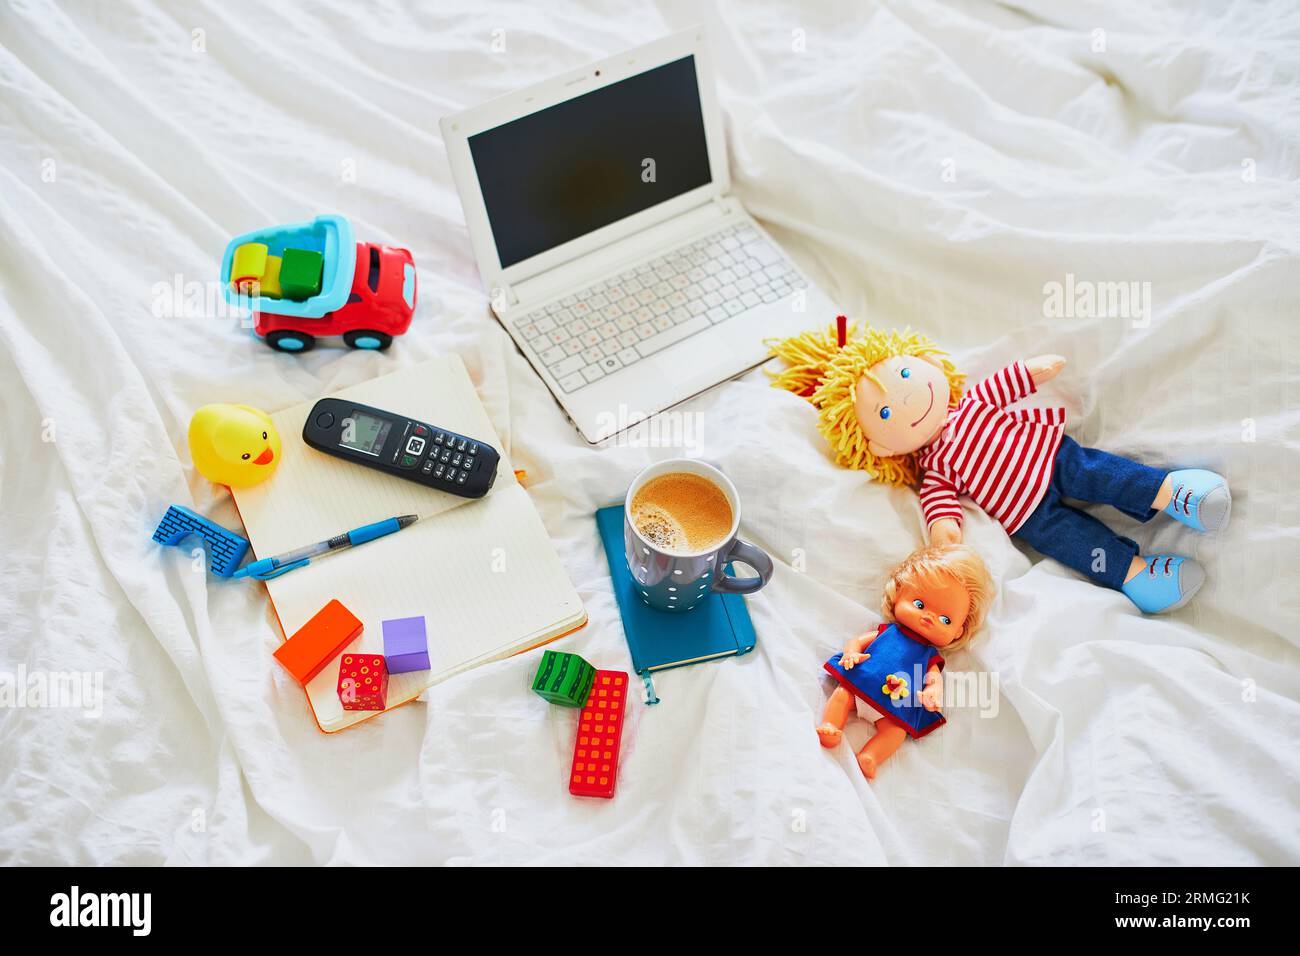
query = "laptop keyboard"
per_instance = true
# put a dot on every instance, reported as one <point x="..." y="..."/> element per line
<point x="616" y="323"/>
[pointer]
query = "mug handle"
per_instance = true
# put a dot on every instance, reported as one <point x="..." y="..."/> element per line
<point x="745" y="553"/>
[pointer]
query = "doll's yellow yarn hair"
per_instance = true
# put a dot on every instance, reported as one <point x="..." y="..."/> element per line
<point x="826" y="374"/>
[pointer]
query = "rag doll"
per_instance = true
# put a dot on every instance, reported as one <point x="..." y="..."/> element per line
<point x="891" y="403"/>
<point x="935" y="600"/>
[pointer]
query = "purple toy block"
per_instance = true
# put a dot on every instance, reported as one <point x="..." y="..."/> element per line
<point x="406" y="648"/>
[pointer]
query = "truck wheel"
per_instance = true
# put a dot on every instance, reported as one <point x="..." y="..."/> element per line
<point x="366" y="339"/>
<point x="289" y="341"/>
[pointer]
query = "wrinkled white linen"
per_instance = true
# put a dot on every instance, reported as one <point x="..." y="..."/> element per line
<point x="929" y="164"/>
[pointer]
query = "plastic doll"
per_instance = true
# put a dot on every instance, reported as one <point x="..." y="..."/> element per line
<point x="934" y="600"/>
<point x="891" y="404"/>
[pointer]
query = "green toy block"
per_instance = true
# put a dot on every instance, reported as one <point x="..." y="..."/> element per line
<point x="564" y="679"/>
<point x="300" y="273"/>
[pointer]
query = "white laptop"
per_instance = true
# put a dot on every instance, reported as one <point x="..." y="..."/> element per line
<point x="599" y="208"/>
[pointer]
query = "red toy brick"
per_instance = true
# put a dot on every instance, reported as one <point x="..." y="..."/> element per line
<point x="600" y="733"/>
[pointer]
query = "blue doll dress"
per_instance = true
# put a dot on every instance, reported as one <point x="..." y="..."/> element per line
<point x="899" y="654"/>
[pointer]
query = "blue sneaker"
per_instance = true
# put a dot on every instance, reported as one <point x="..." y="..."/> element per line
<point x="1165" y="584"/>
<point x="1201" y="499"/>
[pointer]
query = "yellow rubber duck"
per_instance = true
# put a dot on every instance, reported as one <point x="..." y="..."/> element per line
<point x="234" y="445"/>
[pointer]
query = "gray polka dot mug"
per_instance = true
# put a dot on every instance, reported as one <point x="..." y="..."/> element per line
<point x="675" y="581"/>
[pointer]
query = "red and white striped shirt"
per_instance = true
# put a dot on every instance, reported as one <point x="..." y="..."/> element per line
<point x="1001" y="458"/>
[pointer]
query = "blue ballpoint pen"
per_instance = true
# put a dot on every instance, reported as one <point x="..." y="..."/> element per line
<point x="273" y="567"/>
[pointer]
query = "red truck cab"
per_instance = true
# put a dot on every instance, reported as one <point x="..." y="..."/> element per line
<point x="379" y="306"/>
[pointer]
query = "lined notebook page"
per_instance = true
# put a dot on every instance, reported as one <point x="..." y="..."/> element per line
<point x="483" y="573"/>
<point x="313" y="496"/>
<point x="484" y="576"/>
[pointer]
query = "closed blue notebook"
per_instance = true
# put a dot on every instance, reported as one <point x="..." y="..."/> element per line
<point x="718" y="626"/>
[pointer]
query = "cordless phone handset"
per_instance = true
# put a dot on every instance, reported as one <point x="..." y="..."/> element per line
<point x="436" y="457"/>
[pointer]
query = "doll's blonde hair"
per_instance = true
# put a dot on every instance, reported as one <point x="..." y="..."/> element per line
<point x="826" y="372"/>
<point x="957" y="561"/>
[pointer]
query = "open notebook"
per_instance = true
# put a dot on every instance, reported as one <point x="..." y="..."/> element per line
<point x="483" y="573"/>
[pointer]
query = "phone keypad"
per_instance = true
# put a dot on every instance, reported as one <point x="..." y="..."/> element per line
<point x="442" y="456"/>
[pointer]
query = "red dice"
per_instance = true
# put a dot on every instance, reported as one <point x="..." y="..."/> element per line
<point x="363" y="681"/>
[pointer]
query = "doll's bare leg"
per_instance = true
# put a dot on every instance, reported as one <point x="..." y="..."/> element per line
<point x="889" y="735"/>
<point x="1164" y="495"/>
<point x="837" y="712"/>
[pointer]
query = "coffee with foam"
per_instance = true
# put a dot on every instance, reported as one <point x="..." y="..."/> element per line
<point x="682" y="513"/>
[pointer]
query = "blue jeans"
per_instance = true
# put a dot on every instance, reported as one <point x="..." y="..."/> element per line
<point x="1076" y="539"/>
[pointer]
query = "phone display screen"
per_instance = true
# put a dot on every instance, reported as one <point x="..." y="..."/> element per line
<point x="364" y="432"/>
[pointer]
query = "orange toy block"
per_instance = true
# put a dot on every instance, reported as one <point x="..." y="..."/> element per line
<point x="270" y="283"/>
<point x="318" y="641"/>
<point x="600" y="733"/>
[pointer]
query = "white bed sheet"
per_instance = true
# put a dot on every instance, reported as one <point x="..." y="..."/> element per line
<point x="933" y="165"/>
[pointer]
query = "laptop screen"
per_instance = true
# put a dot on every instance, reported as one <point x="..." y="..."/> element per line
<point x="562" y="172"/>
